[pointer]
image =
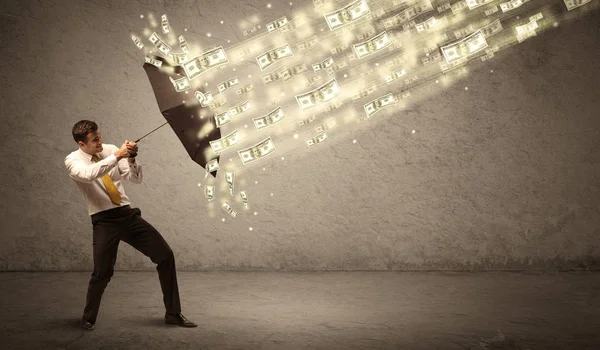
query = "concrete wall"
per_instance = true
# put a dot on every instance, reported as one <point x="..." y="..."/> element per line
<point x="504" y="175"/>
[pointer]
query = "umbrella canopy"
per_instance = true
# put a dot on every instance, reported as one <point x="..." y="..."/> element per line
<point x="184" y="118"/>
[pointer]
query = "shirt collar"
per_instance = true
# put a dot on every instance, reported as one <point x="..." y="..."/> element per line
<point x="85" y="155"/>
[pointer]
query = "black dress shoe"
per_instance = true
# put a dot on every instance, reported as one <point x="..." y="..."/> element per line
<point x="87" y="326"/>
<point x="179" y="320"/>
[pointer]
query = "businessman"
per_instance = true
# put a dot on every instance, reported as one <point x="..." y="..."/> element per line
<point x="98" y="170"/>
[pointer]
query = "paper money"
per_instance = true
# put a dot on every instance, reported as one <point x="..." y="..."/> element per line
<point x="366" y="34"/>
<point x="536" y="17"/>
<point x="205" y="99"/>
<point x="322" y="65"/>
<point x="443" y="8"/>
<point x="322" y="94"/>
<point x="209" y="192"/>
<point x="434" y="57"/>
<point x="250" y="31"/>
<point x="209" y="59"/>
<point x="372" y="45"/>
<point x="464" y="31"/>
<point x="378" y="104"/>
<point x="219" y="145"/>
<point x="308" y="43"/>
<point x="223" y="86"/>
<point x="222" y="119"/>
<point x="511" y="5"/>
<point x="159" y="44"/>
<point x="325" y="126"/>
<point x="260" y="150"/>
<point x="318" y="4"/>
<point x="425" y="25"/>
<point x="277" y="24"/>
<point x="473" y="4"/>
<point x="164" y="23"/>
<point x="287" y="73"/>
<point x="308" y="120"/>
<point x="333" y="106"/>
<point x="137" y="41"/>
<point x="572" y="4"/>
<point x="348" y="14"/>
<point x="244" y="198"/>
<point x="178" y="58"/>
<point x="408" y="14"/>
<point x="491" y="28"/>
<point x="370" y="89"/>
<point x="229" y="179"/>
<point x="245" y="89"/>
<point x="181" y="84"/>
<point x="271" y="118"/>
<point x="225" y="206"/>
<point x="526" y="31"/>
<point x="238" y="109"/>
<point x="339" y="49"/>
<point x="153" y="62"/>
<point x="465" y="47"/>
<point x="458" y="6"/>
<point x="212" y="165"/>
<point x="183" y="44"/>
<point x="268" y="58"/>
<point x="317" y="139"/>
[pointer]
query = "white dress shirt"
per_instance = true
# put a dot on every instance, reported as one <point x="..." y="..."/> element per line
<point x="87" y="175"/>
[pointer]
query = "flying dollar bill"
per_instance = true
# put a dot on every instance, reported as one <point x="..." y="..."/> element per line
<point x="408" y="14"/>
<point x="260" y="150"/>
<point x="426" y="25"/>
<point x="212" y="165"/>
<point x="205" y="99"/>
<point x="225" y="206"/>
<point x="369" y="90"/>
<point x="164" y="23"/>
<point x="348" y="14"/>
<point x="159" y="44"/>
<point x="244" y="198"/>
<point x="229" y="179"/>
<point x="183" y="44"/>
<point x="322" y="65"/>
<point x="511" y="5"/>
<point x="270" y="57"/>
<point x="526" y="31"/>
<point x="209" y="59"/>
<point x="317" y="139"/>
<point x="308" y="120"/>
<point x="222" y="119"/>
<point x="178" y="58"/>
<point x="325" y="126"/>
<point x="473" y="4"/>
<point x="227" y="84"/>
<point x="491" y="11"/>
<point x="245" y="89"/>
<point x="322" y="94"/>
<point x="219" y="145"/>
<point x="372" y="45"/>
<point x="277" y="24"/>
<point x="239" y="109"/>
<point x="181" y="84"/>
<point x="492" y="28"/>
<point x="288" y="73"/>
<point x="464" y="48"/>
<point x="209" y="192"/>
<point x="271" y="118"/>
<point x="367" y="34"/>
<point x="572" y="4"/>
<point x="308" y="43"/>
<point x="137" y="42"/>
<point x="153" y="61"/>
<point x="378" y="104"/>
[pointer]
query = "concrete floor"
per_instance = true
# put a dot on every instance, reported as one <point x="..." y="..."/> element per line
<point x="322" y="310"/>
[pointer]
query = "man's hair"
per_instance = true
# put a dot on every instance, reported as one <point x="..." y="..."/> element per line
<point x="82" y="128"/>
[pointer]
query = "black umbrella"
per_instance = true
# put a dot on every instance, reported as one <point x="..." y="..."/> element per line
<point x="184" y="118"/>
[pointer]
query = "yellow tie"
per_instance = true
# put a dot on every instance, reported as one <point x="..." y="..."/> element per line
<point x="113" y="193"/>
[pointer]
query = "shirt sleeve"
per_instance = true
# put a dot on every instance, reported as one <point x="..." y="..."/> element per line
<point x="82" y="172"/>
<point x="131" y="171"/>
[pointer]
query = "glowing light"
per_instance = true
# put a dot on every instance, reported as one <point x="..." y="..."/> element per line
<point x="492" y="71"/>
<point x="228" y="41"/>
<point x="185" y="29"/>
<point x="437" y="81"/>
<point x="295" y="136"/>
<point x="199" y="184"/>
<point x="255" y="182"/>
<point x="345" y="75"/>
<point x="282" y="158"/>
<point x="141" y="16"/>
<point x="246" y="126"/>
<point x="268" y="5"/>
<point x="234" y="69"/>
<point x="208" y="35"/>
<point x="205" y="84"/>
<point x="223" y="219"/>
<point x="290" y="4"/>
<point x="250" y="228"/>
<point x="466" y="88"/>
<point x="271" y="194"/>
<point x="222" y="22"/>
<point x="353" y="141"/>
<point x="413" y="131"/>
<point x="249" y="75"/>
<point x="264" y="169"/>
<point x="255" y="213"/>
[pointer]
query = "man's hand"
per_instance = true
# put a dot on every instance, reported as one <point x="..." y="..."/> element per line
<point x="132" y="149"/>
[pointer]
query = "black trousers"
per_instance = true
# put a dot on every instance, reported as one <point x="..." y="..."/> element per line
<point x="126" y="224"/>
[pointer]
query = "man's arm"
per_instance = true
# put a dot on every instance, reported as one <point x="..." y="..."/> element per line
<point x="131" y="170"/>
<point x="82" y="172"/>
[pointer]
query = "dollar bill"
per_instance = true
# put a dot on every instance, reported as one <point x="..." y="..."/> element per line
<point x="492" y="28"/>
<point x="239" y="109"/>
<point x="219" y="145"/>
<point x="308" y="43"/>
<point x="225" y="206"/>
<point x="473" y="4"/>
<point x="370" y="46"/>
<point x="222" y="119"/>
<point x="425" y="25"/>
<point x="325" y="126"/>
<point x="378" y="104"/>
<point x="181" y="84"/>
<point x="318" y="4"/>
<point x="511" y="5"/>
<point x="270" y="57"/>
<point x="260" y="150"/>
<point x="333" y="106"/>
<point x="244" y="198"/>
<point x="458" y="6"/>
<point x="369" y="90"/>
<point x="178" y="58"/>
<point x="209" y="59"/>
<point x="153" y="61"/>
<point x="137" y="41"/>
<point x="464" y="48"/>
<point x="223" y="86"/>
<point x="322" y="65"/>
<point x="308" y="120"/>
<point x="209" y="192"/>
<point x="464" y="31"/>
<point x="526" y="31"/>
<point x="183" y="44"/>
<point x="347" y="14"/>
<point x="491" y="11"/>
<point x="366" y="34"/>
<point x="159" y="44"/>
<point x="277" y="24"/>
<point x="164" y="23"/>
<point x="271" y="118"/>
<point x="250" y="31"/>
<point x="286" y="74"/>
<point x="573" y="4"/>
<point x="229" y="179"/>
<point x="205" y="99"/>
<point x="322" y="94"/>
<point x="408" y="14"/>
<point x="212" y="165"/>
<point x="444" y="7"/>
<point x="245" y="89"/>
<point x="339" y="49"/>
<point x="538" y="16"/>
<point x="317" y="139"/>
<point x="433" y="57"/>
<point x="269" y="77"/>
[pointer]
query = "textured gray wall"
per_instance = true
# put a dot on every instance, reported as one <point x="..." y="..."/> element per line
<point x="505" y="175"/>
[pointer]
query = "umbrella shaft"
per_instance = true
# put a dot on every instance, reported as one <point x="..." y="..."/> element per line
<point x="136" y="141"/>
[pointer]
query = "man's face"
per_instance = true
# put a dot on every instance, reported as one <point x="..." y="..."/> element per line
<point x="93" y="144"/>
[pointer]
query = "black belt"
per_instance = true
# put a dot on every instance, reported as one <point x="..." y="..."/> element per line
<point x="118" y="211"/>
